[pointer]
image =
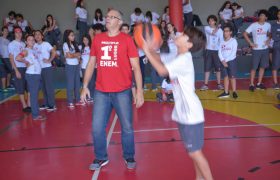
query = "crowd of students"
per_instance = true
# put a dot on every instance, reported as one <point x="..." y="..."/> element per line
<point x="220" y="50"/>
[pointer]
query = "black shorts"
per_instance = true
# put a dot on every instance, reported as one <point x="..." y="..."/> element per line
<point x="276" y="59"/>
<point x="231" y="70"/>
<point x="260" y="58"/>
<point x="212" y="59"/>
<point x="20" y="84"/>
<point x="7" y="67"/>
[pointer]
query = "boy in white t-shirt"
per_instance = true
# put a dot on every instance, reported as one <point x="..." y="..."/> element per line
<point x="166" y="94"/>
<point x="260" y="31"/>
<point x="227" y="55"/>
<point x="188" y="111"/>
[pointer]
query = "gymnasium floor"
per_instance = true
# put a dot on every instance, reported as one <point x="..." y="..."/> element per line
<point x="242" y="140"/>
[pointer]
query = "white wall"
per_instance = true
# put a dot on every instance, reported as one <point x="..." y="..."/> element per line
<point x="63" y="10"/>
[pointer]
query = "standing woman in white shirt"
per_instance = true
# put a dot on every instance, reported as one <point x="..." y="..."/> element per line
<point x="72" y="68"/>
<point x="165" y="17"/>
<point x="46" y="53"/>
<point x="33" y="75"/>
<point x="98" y="17"/>
<point x="85" y="55"/>
<point x="188" y="15"/>
<point x="237" y="16"/>
<point x="81" y="15"/>
<point x="10" y="22"/>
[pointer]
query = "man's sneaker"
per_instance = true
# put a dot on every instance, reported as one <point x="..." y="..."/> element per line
<point x="40" y="118"/>
<point x="204" y="87"/>
<point x="276" y="86"/>
<point x="80" y="103"/>
<point x="224" y="95"/>
<point x="43" y="107"/>
<point x="97" y="164"/>
<point x="90" y="100"/>
<point x="220" y="87"/>
<point x="260" y="86"/>
<point x="234" y="95"/>
<point x="130" y="163"/>
<point x="50" y="109"/>
<point x="71" y="105"/>
<point x="252" y="88"/>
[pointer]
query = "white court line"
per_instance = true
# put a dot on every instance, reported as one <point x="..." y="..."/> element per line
<point x="96" y="172"/>
<point x="206" y="127"/>
<point x="7" y="98"/>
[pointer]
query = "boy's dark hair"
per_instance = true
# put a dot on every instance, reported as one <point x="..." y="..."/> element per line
<point x="12" y="13"/>
<point x="125" y="25"/>
<point x="264" y="12"/>
<point x="98" y="26"/>
<point x="196" y="37"/>
<point x="229" y="26"/>
<point x="137" y="10"/>
<point x="19" y="15"/>
<point x="4" y="27"/>
<point x="212" y="17"/>
<point x="17" y="27"/>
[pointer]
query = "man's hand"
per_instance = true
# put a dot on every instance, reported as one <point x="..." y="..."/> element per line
<point x="84" y="94"/>
<point x="139" y="98"/>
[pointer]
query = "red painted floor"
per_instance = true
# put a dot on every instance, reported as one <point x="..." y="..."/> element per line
<point x="61" y="147"/>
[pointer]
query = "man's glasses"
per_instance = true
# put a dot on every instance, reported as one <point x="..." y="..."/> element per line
<point x="112" y="17"/>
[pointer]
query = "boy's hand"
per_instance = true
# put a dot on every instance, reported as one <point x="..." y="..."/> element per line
<point x="164" y="97"/>
<point x="225" y="63"/>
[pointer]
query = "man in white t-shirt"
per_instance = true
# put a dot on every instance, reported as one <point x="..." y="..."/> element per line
<point x="187" y="10"/>
<point x="136" y="17"/>
<point x="188" y="111"/>
<point x="19" y="68"/>
<point x="260" y="31"/>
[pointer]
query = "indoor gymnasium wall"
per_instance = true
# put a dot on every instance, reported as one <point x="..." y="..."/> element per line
<point x="63" y="10"/>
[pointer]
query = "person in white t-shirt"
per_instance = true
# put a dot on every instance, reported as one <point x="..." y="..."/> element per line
<point x="85" y="55"/>
<point x="188" y="15"/>
<point x="24" y="24"/>
<point x="98" y="17"/>
<point x="261" y="38"/>
<point x="237" y="17"/>
<point x="214" y="35"/>
<point x="10" y="22"/>
<point x="225" y="13"/>
<point x="188" y="111"/>
<point x="81" y="15"/>
<point x="46" y="54"/>
<point x="136" y="17"/>
<point x="165" y="17"/>
<point x="33" y="75"/>
<point x="152" y="17"/>
<point x="19" y="68"/>
<point x="166" y="94"/>
<point x="227" y="55"/>
<point x="72" y="68"/>
<point x="4" y="56"/>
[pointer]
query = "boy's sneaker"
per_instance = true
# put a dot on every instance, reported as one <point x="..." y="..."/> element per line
<point x="40" y="118"/>
<point x="51" y="108"/>
<point x="204" y="87"/>
<point x="90" y="100"/>
<point x="252" y="88"/>
<point x="276" y="86"/>
<point x="260" y="86"/>
<point x="71" y="105"/>
<point x="220" y="87"/>
<point x="97" y="164"/>
<point x="224" y="95"/>
<point x="10" y="87"/>
<point x="43" y="107"/>
<point x="234" y="95"/>
<point x="130" y="163"/>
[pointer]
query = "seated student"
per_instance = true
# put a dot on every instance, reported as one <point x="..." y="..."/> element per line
<point x="225" y="13"/>
<point x="51" y="31"/>
<point x="166" y="94"/>
<point x="24" y="24"/>
<point x="136" y="17"/>
<point x="98" y="17"/>
<point x="237" y="17"/>
<point x="10" y="22"/>
<point x="227" y="55"/>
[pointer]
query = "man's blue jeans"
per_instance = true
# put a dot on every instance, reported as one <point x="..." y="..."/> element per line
<point x="103" y="104"/>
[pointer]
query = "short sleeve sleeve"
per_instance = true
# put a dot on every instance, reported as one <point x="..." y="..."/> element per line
<point x="250" y="29"/>
<point x="132" y="50"/>
<point x="65" y="48"/>
<point x="93" y="47"/>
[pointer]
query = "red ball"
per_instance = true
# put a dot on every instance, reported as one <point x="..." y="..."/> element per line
<point x="142" y="31"/>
